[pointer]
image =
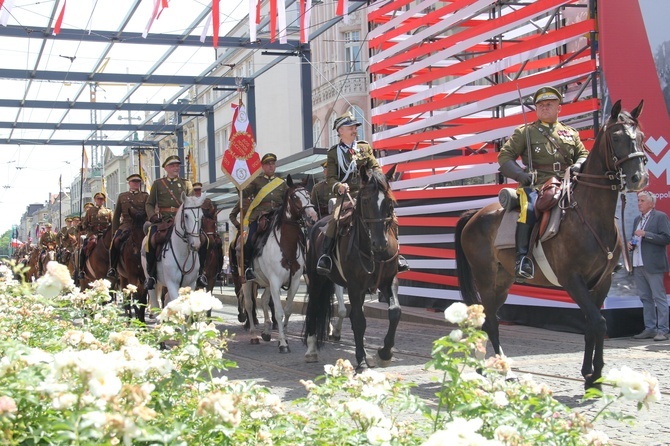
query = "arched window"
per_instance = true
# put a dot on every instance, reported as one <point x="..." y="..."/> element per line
<point x="360" y="117"/>
<point x="316" y="133"/>
<point x="333" y="136"/>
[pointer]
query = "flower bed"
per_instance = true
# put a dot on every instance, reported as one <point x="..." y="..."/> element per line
<point x="73" y="370"/>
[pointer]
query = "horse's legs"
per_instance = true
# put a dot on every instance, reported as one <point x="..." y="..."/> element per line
<point x="275" y="288"/>
<point x="267" y="318"/>
<point x="493" y="294"/>
<point x="249" y="301"/>
<point x="390" y="291"/>
<point x="336" y="332"/>
<point x="358" y="323"/>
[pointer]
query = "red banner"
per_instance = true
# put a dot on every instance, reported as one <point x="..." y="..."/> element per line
<point x="240" y="161"/>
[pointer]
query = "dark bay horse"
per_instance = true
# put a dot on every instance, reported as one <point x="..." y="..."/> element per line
<point x="130" y="266"/>
<point x="368" y="257"/>
<point x="280" y="262"/>
<point x="97" y="262"/>
<point x="584" y="252"/>
<point x="212" y="242"/>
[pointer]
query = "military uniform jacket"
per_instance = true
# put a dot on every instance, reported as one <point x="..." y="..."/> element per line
<point x="335" y="174"/>
<point x="46" y="238"/>
<point x="320" y="196"/>
<point x="62" y="235"/>
<point x="270" y="202"/>
<point x="128" y="200"/>
<point x="96" y="220"/>
<point x="165" y="196"/>
<point x="554" y="149"/>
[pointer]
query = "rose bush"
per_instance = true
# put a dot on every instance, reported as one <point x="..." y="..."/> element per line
<point x="74" y="371"/>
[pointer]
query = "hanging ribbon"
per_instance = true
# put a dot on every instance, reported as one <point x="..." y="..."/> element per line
<point x="59" y="21"/>
<point x="343" y="10"/>
<point x="154" y="14"/>
<point x="203" y="36"/>
<point x="215" y="22"/>
<point x="273" y="20"/>
<point x="7" y="7"/>
<point x="253" y="12"/>
<point x="305" y="20"/>
<point x="281" y="12"/>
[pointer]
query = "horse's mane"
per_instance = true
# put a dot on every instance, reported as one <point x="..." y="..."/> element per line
<point x="378" y="179"/>
<point x="278" y="217"/>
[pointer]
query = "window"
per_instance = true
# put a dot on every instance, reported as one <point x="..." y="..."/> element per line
<point x="202" y="151"/>
<point x="360" y="117"/>
<point x="352" y="51"/>
<point x="316" y="133"/>
<point x="333" y="136"/>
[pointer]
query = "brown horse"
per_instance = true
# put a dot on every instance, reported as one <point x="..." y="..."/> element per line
<point x="33" y="264"/>
<point x="97" y="262"/>
<point x="368" y="259"/>
<point x="130" y="266"/>
<point x="584" y="252"/>
<point x="214" y="254"/>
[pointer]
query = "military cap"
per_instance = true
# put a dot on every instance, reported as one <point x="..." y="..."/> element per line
<point x="197" y="185"/>
<point x="68" y="218"/>
<point x="88" y="205"/>
<point x="346" y="119"/>
<point x="134" y="177"/>
<point x="76" y="217"/>
<point x="268" y="157"/>
<point x="172" y="159"/>
<point x="100" y="195"/>
<point x="324" y="164"/>
<point x="545" y="94"/>
<point x="48" y="225"/>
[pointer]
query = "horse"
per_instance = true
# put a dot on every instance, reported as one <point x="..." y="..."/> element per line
<point x="47" y="255"/>
<point x="33" y="264"/>
<point x="179" y="265"/>
<point x="213" y="258"/>
<point x="368" y="259"/>
<point x="130" y="266"/>
<point x="97" y="262"/>
<point x="582" y="254"/>
<point x="280" y="262"/>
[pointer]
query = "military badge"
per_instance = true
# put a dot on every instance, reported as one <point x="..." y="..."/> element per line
<point x="537" y="149"/>
<point x="565" y="135"/>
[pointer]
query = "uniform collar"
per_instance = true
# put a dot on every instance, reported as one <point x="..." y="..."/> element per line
<point x="269" y="178"/>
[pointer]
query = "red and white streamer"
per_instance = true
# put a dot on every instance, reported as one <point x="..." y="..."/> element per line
<point x="343" y="10"/>
<point x="7" y="6"/>
<point x="59" y="21"/>
<point x="281" y="18"/>
<point x="305" y="20"/>
<point x="215" y="22"/>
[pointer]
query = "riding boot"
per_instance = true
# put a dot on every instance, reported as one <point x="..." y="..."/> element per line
<point x="249" y="273"/>
<point x="524" y="268"/>
<point x="219" y="257"/>
<point x="82" y="264"/>
<point x="113" y="261"/>
<point x="150" y="282"/>
<point x="202" y="255"/>
<point x="325" y="264"/>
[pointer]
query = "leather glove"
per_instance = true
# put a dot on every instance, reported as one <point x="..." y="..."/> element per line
<point x="155" y="218"/>
<point x="512" y="170"/>
<point x="577" y="167"/>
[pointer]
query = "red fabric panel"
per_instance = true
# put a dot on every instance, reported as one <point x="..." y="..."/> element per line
<point x="427" y="222"/>
<point x="429" y="278"/>
<point x="438" y="253"/>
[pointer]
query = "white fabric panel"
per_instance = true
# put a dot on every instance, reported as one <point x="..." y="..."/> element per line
<point x="433" y="30"/>
<point x="445" y="207"/>
<point x="414" y="11"/>
<point x="429" y="292"/>
<point x="432" y="264"/>
<point x="428" y="239"/>
<point x="465" y="172"/>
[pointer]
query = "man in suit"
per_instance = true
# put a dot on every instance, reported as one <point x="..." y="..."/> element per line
<point x="651" y="235"/>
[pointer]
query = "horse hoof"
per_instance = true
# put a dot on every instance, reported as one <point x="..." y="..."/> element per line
<point x="284" y="349"/>
<point x="255" y="341"/>
<point x="371" y="362"/>
<point x="266" y="337"/>
<point x="274" y="326"/>
<point x="334" y="338"/>
<point x="382" y="362"/>
<point x="311" y="357"/>
<point x="241" y="318"/>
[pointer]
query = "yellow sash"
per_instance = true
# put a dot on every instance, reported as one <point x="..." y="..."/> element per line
<point x="272" y="185"/>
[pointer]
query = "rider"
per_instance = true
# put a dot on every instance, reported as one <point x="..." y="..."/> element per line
<point x="555" y="147"/>
<point x="96" y="221"/>
<point x="321" y="193"/>
<point x="344" y="160"/>
<point x="267" y="194"/>
<point x="62" y="234"/>
<point x="47" y="238"/>
<point x="162" y="204"/>
<point x="209" y="211"/>
<point x="122" y="222"/>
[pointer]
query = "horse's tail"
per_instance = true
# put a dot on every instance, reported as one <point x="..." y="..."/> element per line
<point x="465" y="281"/>
<point x="319" y="308"/>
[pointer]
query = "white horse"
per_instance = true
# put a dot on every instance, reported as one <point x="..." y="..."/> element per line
<point x="179" y="263"/>
<point x="281" y="262"/>
<point x="335" y="331"/>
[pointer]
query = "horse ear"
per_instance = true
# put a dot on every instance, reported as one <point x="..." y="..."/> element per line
<point x="637" y="111"/>
<point x="289" y="180"/>
<point x="183" y="196"/>
<point x="391" y="173"/>
<point x="616" y="109"/>
<point x="363" y="171"/>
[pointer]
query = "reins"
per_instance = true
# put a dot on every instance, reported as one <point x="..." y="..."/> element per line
<point x="184" y="237"/>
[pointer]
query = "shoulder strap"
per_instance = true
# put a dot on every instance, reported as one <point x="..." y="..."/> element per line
<point x="265" y="190"/>
<point x="553" y="143"/>
<point x="170" y="192"/>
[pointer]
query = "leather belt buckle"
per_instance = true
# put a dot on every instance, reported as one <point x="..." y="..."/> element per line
<point x="557" y="167"/>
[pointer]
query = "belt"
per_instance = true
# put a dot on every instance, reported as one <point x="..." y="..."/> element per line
<point x="556" y="167"/>
<point x="170" y="209"/>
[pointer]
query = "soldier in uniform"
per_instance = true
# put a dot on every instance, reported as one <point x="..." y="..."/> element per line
<point x="266" y="193"/>
<point x="209" y="211"/>
<point x="122" y="222"/>
<point x="321" y="193"/>
<point x="197" y="189"/>
<point x="162" y="204"/>
<point x="96" y="220"/>
<point x="62" y="234"/>
<point x="342" y="164"/>
<point x="554" y="147"/>
<point x="47" y="238"/>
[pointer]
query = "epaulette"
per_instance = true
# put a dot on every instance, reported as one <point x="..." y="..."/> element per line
<point x="362" y="141"/>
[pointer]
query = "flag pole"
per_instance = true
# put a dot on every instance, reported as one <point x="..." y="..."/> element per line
<point x="60" y="201"/>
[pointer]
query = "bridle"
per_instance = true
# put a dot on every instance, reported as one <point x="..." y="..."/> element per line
<point x="185" y="234"/>
<point x="297" y="194"/>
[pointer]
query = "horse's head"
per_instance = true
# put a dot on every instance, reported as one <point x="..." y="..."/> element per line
<point x="625" y="148"/>
<point x="139" y="216"/>
<point x="298" y="204"/>
<point x="188" y="220"/>
<point x="375" y="205"/>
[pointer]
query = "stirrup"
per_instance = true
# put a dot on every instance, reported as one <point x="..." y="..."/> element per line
<point x="403" y="264"/>
<point x="202" y="280"/>
<point x="150" y="283"/>
<point x="249" y="274"/>
<point x="521" y="273"/>
<point x="325" y="265"/>
<point x="81" y="275"/>
<point x="111" y="272"/>
<point x="220" y="276"/>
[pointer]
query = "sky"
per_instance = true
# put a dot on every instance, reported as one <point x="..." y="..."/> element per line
<point x="30" y="173"/>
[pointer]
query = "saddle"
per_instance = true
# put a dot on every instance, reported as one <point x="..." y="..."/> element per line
<point x="346" y="217"/>
<point x="90" y="245"/>
<point x="120" y="238"/>
<point x="163" y="231"/>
